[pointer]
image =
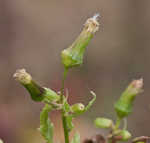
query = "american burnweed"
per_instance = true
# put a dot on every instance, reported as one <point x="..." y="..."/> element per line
<point x="53" y="100"/>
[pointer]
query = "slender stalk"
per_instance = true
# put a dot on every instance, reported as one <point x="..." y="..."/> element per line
<point x="118" y="121"/>
<point x="66" y="133"/>
<point x="125" y="123"/>
<point x="64" y="121"/>
<point x="62" y="86"/>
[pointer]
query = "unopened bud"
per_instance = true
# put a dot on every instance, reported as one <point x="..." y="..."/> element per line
<point x="103" y="123"/>
<point x="77" y="108"/>
<point x="126" y="135"/>
<point x="73" y="56"/>
<point x="124" y="105"/>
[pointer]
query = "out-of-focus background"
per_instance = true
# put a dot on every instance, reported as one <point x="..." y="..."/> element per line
<point x="32" y="35"/>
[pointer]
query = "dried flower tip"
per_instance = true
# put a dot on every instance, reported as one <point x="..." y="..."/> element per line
<point x="22" y="76"/>
<point x="92" y="24"/>
<point x="96" y="16"/>
<point x="137" y="84"/>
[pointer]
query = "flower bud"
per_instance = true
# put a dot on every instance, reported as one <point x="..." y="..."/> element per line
<point x="125" y="135"/>
<point x="1" y="141"/>
<point x="73" y="56"/>
<point x="77" y="108"/>
<point x="103" y="123"/>
<point x="124" y="105"/>
<point x="37" y="92"/>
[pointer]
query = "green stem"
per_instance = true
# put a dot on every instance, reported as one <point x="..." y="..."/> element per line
<point x="115" y="130"/>
<point x="125" y="124"/>
<point x="63" y="83"/>
<point x="66" y="132"/>
<point x="64" y="121"/>
<point x="118" y="121"/>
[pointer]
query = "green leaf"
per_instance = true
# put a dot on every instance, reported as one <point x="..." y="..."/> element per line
<point x="46" y="126"/>
<point x="76" y="138"/>
<point x="70" y="125"/>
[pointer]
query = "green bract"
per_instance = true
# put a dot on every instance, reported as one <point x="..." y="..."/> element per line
<point x="73" y="56"/>
<point x="50" y="95"/>
<point x="124" y="105"/>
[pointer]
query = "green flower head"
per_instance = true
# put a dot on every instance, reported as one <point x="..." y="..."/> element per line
<point x="125" y="103"/>
<point x="73" y="56"/>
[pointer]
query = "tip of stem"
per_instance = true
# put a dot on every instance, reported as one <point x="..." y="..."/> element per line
<point x="138" y="84"/>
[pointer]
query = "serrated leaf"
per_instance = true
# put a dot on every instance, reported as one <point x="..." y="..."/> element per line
<point x="76" y="138"/>
<point x="46" y="126"/>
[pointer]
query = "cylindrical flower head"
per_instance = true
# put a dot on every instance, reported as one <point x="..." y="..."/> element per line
<point x="124" y="105"/>
<point x="37" y="92"/>
<point x="73" y="56"/>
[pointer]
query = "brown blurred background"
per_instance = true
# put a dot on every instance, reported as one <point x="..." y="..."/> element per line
<point x="32" y="35"/>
